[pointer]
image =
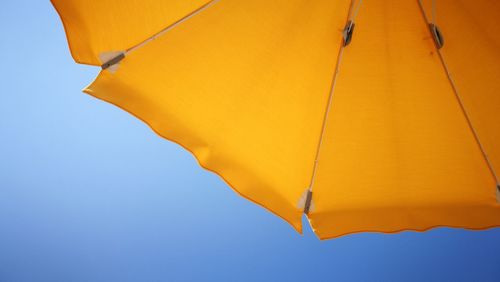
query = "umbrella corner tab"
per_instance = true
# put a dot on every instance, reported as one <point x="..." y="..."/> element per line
<point x="305" y="202"/>
<point x="111" y="60"/>
<point x="348" y="31"/>
<point x="498" y="193"/>
<point x="437" y="35"/>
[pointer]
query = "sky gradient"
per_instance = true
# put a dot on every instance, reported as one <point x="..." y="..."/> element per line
<point x="89" y="193"/>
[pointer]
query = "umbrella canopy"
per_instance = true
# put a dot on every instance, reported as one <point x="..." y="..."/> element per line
<point x="365" y="116"/>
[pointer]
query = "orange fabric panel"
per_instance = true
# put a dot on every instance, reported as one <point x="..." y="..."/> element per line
<point x="243" y="86"/>
<point x="398" y="153"/>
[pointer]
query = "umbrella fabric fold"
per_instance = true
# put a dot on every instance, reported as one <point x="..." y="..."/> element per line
<point x="252" y="87"/>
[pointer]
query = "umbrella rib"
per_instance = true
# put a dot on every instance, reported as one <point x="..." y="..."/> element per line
<point x="462" y="104"/>
<point x="351" y="15"/>
<point x="325" y="117"/>
<point x="141" y="44"/>
<point x="171" y="26"/>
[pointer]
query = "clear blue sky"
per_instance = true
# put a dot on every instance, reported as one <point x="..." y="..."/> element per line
<point x="89" y="193"/>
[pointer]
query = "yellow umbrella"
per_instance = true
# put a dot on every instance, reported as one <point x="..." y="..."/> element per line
<point x="366" y="116"/>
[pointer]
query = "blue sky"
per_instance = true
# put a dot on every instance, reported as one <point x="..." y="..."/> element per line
<point x="89" y="193"/>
